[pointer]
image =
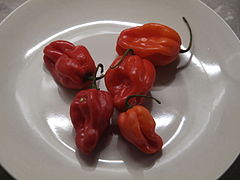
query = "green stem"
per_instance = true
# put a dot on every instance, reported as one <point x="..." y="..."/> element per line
<point x="94" y="84"/>
<point x="128" y="105"/>
<point x="122" y="58"/>
<point x="190" y="42"/>
<point x="90" y="78"/>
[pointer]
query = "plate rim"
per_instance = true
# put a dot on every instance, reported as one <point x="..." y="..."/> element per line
<point x="9" y="170"/>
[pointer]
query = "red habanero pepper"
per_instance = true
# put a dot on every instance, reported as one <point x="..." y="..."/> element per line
<point x="138" y="127"/>
<point x="71" y="66"/>
<point x="129" y="75"/>
<point x="155" y="42"/>
<point x="90" y="113"/>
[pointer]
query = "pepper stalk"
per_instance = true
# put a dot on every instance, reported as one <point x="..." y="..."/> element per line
<point x="95" y="78"/>
<point x="128" y="105"/>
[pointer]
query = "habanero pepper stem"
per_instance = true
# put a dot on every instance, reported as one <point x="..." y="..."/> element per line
<point x="94" y="84"/>
<point x="190" y="41"/>
<point x="122" y="58"/>
<point x="90" y="78"/>
<point x="128" y="105"/>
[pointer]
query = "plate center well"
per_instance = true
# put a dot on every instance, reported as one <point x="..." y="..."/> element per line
<point x="46" y="105"/>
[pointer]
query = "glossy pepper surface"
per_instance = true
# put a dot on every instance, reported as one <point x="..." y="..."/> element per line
<point x="90" y="112"/>
<point x="158" y="43"/>
<point x="133" y="75"/>
<point x="138" y="127"/>
<point x="71" y="66"/>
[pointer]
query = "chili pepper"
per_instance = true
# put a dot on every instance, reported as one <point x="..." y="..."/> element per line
<point x="129" y="75"/>
<point x="138" y="127"/>
<point x="90" y="113"/>
<point x="71" y="66"/>
<point x="158" y="43"/>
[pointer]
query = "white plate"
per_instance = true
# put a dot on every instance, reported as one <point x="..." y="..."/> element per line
<point x="198" y="118"/>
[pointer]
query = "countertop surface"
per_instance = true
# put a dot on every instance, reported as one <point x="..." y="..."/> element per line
<point x="229" y="10"/>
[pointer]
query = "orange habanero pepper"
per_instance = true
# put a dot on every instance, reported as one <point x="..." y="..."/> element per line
<point x="138" y="127"/>
<point x="155" y="42"/>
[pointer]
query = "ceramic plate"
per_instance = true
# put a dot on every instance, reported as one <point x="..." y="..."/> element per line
<point x="198" y="118"/>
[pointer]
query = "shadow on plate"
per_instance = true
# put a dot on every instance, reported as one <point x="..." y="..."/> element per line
<point x="165" y="75"/>
<point x="135" y="160"/>
<point x="67" y="95"/>
<point x="45" y="69"/>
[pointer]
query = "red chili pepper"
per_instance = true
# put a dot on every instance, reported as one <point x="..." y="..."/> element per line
<point x="138" y="127"/>
<point x="71" y="66"/>
<point x="90" y="113"/>
<point x="158" y="43"/>
<point x="129" y="75"/>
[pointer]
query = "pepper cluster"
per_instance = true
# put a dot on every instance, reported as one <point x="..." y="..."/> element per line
<point x="129" y="78"/>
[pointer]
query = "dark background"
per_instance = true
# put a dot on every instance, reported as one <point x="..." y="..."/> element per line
<point x="229" y="10"/>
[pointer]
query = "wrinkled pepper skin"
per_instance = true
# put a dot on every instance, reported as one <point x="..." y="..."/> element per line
<point x="90" y="113"/>
<point x="69" y="65"/>
<point x="155" y="42"/>
<point x="134" y="75"/>
<point x="138" y="127"/>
